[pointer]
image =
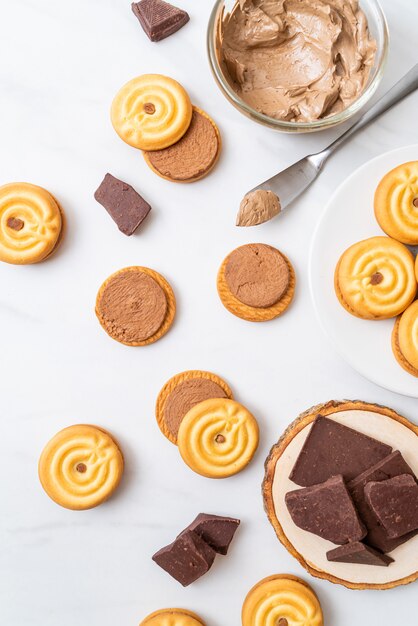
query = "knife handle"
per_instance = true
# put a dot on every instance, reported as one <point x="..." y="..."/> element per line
<point x="400" y="90"/>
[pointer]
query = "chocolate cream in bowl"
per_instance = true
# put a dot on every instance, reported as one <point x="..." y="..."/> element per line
<point x="296" y="60"/>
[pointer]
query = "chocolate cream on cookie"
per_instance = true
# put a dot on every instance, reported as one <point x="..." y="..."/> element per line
<point x="257" y="275"/>
<point x="297" y="61"/>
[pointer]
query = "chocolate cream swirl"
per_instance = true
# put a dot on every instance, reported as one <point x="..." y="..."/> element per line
<point x="297" y="60"/>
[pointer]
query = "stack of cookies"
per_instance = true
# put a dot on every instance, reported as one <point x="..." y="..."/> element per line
<point x="153" y="113"/>
<point x="217" y="437"/>
<point x="376" y="279"/>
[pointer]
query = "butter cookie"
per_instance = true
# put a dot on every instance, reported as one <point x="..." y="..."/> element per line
<point x="151" y="112"/>
<point x="80" y="467"/>
<point x="375" y="278"/>
<point x="218" y="438"/>
<point x="30" y="223"/>
<point x="172" y="617"/>
<point x="405" y="339"/>
<point x="396" y="203"/>
<point x="282" y="600"/>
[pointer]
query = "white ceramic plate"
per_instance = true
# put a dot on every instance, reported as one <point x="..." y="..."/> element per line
<point x="348" y="218"/>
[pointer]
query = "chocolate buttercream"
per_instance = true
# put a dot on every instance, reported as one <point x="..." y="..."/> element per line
<point x="132" y="306"/>
<point x="297" y="60"/>
<point x="257" y="275"/>
<point x="258" y="207"/>
<point x="193" y="155"/>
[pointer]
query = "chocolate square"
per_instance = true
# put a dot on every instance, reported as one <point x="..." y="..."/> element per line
<point x="186" y="559"/>
<point x="216" y="530"/>
<point x="395" y="504"/>
<point x="159" y="19"/>
<point x="124" y="205"/>
<point x="360" y="554"/>
<point x="326" y="510"/>
<point x="332" y="449"/>
<point x="377" y="537"/>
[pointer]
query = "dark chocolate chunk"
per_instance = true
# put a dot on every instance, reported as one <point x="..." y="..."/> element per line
<point x="332" y="449"/>
<point x="395" y="504"/>
<point x="377" y="537"/>
<point x="186" y="559"/>
<point x="124" y="205"/>
<point x="360" y="554"/>
<point x="159" y="19"/>
<point x="326" y="510"/>
<point x="217" y="531"/>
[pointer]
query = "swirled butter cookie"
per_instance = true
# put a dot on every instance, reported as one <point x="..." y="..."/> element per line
<point x="396" y="203"/>
<point x="151" y="112"/>
<point x="136" y="306"/>
<point x="181" y="393"/>
<point x="193" y="156"/>
<point x="375" y="278"/>
<point x="218" y="438"/>
<point x="405" y="339"/>
<point x="256" y="282"/>
<point x="30" y="223"/>
<point x="80" y="467"/>
<point x="282" y="600"/>
<point x="172" y="617"/>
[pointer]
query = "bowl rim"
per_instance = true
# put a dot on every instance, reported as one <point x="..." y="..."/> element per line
<point x="284" y="125"/>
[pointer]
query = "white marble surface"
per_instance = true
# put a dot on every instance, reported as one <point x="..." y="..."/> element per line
<point x="61" y="64"/>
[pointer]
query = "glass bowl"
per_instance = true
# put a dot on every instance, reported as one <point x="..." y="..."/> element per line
<point x="379" y="31"/>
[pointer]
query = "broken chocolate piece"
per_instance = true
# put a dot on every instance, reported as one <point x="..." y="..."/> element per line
<point x="332" y="449"/>
<point x="186" y="559"/>
<point x="377" y="537"/>
<point x="217" y="531"/>
<point x="395" y="504"/>
<point x="124" y="205"/>
<point x="159" y="19"/>
<point x="360" y="554"/>
<point x="326" y="510"/>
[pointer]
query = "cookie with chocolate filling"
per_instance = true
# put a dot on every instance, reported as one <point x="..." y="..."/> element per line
<point x="256" y="282"/>
<point x="193" y="156"/>
<point x="136" y="306"/>
<point x="181" y="393"/>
